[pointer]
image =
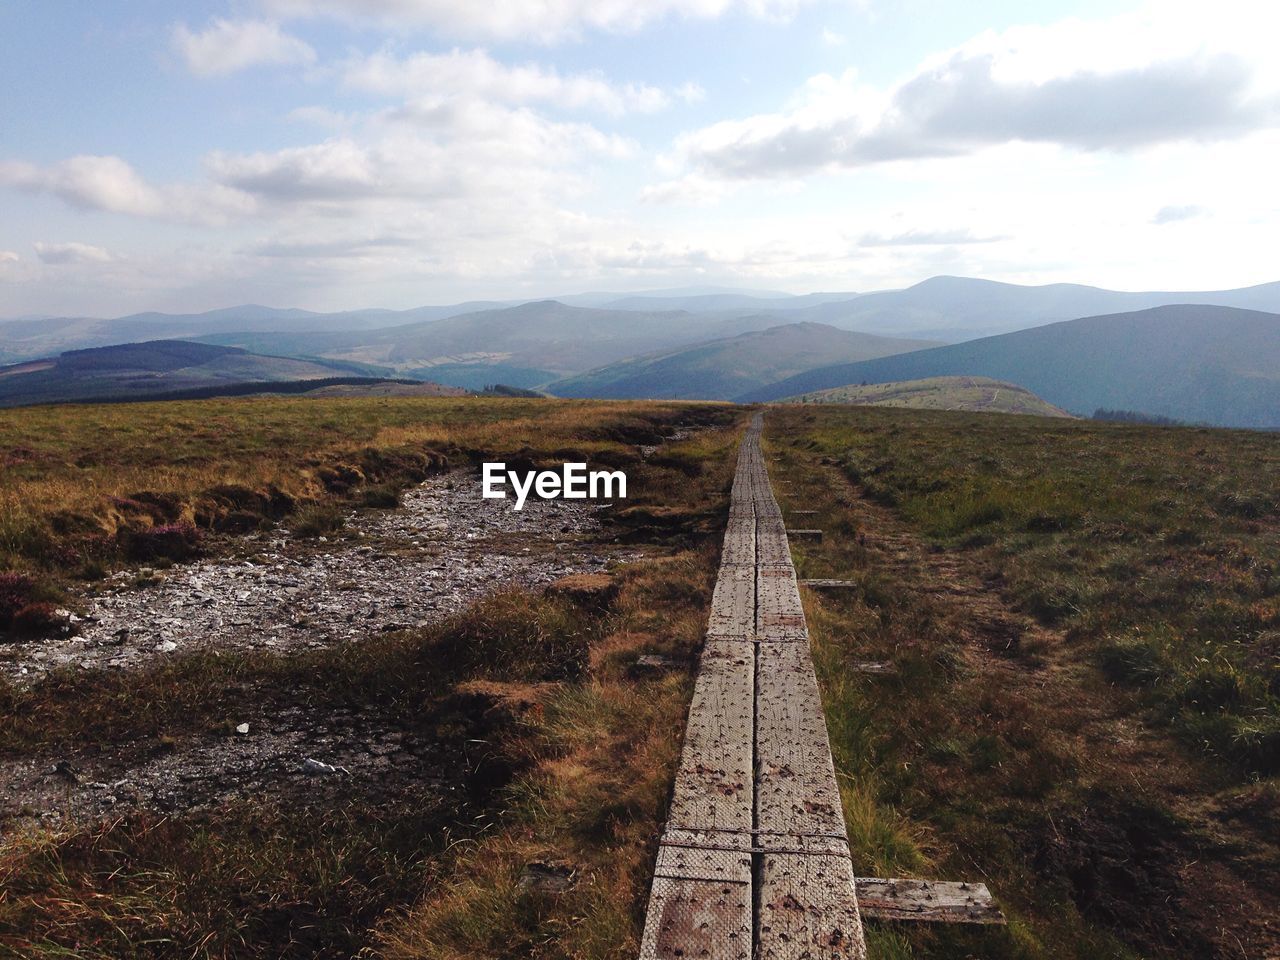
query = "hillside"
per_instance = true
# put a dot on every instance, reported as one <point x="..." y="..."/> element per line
<point x="524" y="346"/>
<point x="1215" y="365"/>
<point x="139" y="370"/>
<point x="954" y="309"/>
<point x="721" y="369"/>
<point x="972" y="394"/>
<point x="30" y="338"/>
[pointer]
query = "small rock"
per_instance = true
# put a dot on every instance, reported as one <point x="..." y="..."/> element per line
<point x="166" y="646"/>
<point x="651" y="663"/>
<point x="548" y="876"/>
<point x="318" y="768"/>
<point x="242" y="728"/>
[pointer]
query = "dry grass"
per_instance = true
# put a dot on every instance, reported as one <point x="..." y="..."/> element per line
<point x="579" y="751"/>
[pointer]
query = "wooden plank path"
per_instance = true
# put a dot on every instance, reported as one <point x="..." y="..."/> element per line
<point x="754" y="860"/>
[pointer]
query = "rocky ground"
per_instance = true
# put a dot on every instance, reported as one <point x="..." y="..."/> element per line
<point x="385" y="570"/>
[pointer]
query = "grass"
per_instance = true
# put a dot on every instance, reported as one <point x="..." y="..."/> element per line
<point x="572" y="754"/>
<point x="78" y="480"/>
<point x="1080" y="624"/>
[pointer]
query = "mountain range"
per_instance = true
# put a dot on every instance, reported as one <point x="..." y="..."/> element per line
<point x="723" y="369"/>
<point x="1203" y="357"/>
<point x="1205" y="364"/>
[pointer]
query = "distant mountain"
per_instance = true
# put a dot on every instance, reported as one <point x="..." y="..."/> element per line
<point x="523" y="346"/>
<point x="45" y="336"/>
<point x="1218" y="365"/>
<point x="954" y="309"/>
<point x="972" y="394"/>
<point x="712" y="302"/>
<point x="721" y="369"/>
<point x="140" y="370"/>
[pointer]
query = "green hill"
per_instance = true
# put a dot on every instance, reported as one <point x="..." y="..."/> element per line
<point x="721" y="369"/>
<point x="972" y="394"/>
<point x="1204" y="364"/>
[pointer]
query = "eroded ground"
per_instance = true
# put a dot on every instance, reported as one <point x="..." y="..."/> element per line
<point x="384" y="571"/>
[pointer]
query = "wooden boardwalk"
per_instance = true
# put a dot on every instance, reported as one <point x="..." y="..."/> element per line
<point x="754" y="860"/>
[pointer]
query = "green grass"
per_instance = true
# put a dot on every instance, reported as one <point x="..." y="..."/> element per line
<point x="1158" y="544"/>
<point x="974" y="394"/>
<point x="1110" y="777"/>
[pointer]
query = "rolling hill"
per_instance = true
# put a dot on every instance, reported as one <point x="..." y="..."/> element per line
<point x="1209" y="364"/>
<point x="523" y="346"/>
<point x="721" y="369"/>
<point x="140" y="370"/>
<point x="972" y="394"/>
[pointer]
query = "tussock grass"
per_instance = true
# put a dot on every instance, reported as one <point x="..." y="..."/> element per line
<point x="1083" y="772"/>
<point x="578" y="752"/>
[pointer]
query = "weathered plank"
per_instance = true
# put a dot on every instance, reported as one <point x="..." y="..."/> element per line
<point x="733" y="603"/>
<point x="739" y="541"/>
<point x="714" y="786"/>
<point x="708" y="919"/>
<point x="808" y="909"/>
<point x="939" y="901"/>
<point x="821" y="584"/>
<point x="779" y="613"/>
<point x="801" y="534"/>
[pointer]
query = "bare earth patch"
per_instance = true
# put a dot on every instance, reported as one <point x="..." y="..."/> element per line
<point x="385" y="570"/>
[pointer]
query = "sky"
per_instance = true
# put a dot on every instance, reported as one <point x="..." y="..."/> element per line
<point x="338" y="154"/>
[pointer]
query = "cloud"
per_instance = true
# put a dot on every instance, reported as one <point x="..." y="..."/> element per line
<point x="521" y="20"/>
<point x="833" y="39"/>
<point x="475" y="73"/>
<point x="226" y="46"/>
<point x="64" y="253"/>
<point x="110" y="184"/>
<point x="1172" y="214"/>
<point x="1071" y="85"/>
<point x="925" y="238"/>
<point x="8" y="256"/>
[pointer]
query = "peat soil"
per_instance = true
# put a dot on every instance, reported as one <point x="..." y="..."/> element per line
<point x="384" y="570"/>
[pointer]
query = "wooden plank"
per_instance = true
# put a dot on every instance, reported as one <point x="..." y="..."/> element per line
<point x="937" y="901"/>
<point x="739" y="541"/>
<point x="733" y="602"/>
<point x="820" y="584"/>
<point x="795" y="785"/>
<point x="808" y="909"/>
<point x="779" y="613"/>
<point x="714" y="787"/>
<point x="697" y="918"/>
<point x="800" y="534"/>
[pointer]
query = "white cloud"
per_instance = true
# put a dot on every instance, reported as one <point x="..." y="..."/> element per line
<point x="110" y="184"/>
<point x="1175" y="213"/>
<point x="925" y="238"/>
<point x="1118" y="84"/>
<point x="64" y="253"/>
<point x="226" y="46"/>
<point x="545" y="20"/>
<point x="475" y="73"/>
<point x="833" y="39"/>
<point x="8" y="256"/>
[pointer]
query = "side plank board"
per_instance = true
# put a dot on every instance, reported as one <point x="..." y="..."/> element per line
<point x="940" y="901"/>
